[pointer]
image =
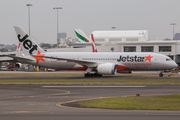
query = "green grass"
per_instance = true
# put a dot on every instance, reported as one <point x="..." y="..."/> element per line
<point x="92" y="82"/>
<point x="45" y="74"/>
<point x="169" y="102"/>
<point x="59" y="74"/>
<point x="86" y="81"/>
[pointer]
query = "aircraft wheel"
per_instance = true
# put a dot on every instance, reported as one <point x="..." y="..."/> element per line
<point x="160" y="75"/>
<point x="91" y="75"/>
<point x="100" y="75"/>
<point x="88" y="75"/>
<point x="85" y="75"/>
<point x="95" y="75"/>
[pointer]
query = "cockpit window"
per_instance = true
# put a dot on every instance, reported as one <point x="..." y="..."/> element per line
<point x="168" y="59"/>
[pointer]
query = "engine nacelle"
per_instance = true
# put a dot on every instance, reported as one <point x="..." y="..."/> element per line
<point x="18" y="65"/>
<point x="106" y="69"/>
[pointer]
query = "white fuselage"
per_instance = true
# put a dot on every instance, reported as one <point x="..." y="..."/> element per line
<point x="124" y="61"/>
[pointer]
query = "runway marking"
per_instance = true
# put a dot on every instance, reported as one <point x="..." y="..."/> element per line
<point x="6" y="112"/>
<point x="109" y="86"/>
<point x="15" y="97"/>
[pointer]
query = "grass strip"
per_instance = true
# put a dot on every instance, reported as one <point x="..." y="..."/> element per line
<point x="168" y="102"/>
<point x="45" y="74"/>
<point x="91" y="82"/>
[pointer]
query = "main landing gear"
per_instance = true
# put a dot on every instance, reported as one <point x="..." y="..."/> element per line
<point x="92" y="75"/>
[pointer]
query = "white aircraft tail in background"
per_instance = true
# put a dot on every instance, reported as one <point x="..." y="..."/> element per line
<point x="83" y="37"/>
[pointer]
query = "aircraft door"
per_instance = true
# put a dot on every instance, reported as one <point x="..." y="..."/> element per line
<point x="155" y="63"/>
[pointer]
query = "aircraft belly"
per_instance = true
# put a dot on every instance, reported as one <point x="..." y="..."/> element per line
<point x="27" y="62"/>
<point x="57" y="65"/>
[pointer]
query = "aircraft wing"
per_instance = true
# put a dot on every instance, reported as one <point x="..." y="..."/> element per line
<point x="81" y="62"/>
<point x="17" y="58"/>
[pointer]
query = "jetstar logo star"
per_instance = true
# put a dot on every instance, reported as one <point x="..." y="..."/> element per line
<point x="148" y="58"/>
<point x="39" y="58"/>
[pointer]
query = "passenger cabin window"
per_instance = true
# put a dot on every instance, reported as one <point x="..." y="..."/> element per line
<point x="147" y="48"/>
<point x="130" y="49"/>
<point x="164" y="48"/>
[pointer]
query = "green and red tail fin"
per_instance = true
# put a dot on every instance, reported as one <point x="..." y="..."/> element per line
<point x="82" y="37"/>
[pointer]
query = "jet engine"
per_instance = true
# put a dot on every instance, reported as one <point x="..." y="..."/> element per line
<point x="18" y="65"/>
<point x="106" y="69"/>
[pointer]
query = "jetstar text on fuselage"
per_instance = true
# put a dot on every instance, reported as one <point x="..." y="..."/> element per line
<point x="130" y="59"/>
<point x="27" y="44"/>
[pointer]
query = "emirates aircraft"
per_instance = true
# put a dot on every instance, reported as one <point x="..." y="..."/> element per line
<point x="95" y="64"/>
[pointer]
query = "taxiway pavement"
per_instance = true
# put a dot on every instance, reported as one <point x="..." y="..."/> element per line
<point x="19" y="102"/>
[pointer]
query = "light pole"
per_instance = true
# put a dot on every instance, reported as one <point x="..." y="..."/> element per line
<point x="113" y="28"/>
<point x="173" y="28"/>
<point x="29" y="15"/>
<point x="57" y="8"/>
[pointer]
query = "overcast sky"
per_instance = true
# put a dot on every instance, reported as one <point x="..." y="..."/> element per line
<point x="88" y="15"/>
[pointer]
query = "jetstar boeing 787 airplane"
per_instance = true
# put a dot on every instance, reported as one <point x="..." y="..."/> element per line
<point x="102" y="63"/>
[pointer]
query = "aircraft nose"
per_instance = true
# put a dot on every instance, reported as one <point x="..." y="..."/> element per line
<point x="170" y="65"/>
<point x="174" y="65"/>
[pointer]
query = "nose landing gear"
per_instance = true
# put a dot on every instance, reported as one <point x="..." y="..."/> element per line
<point x="161" y="74"/>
